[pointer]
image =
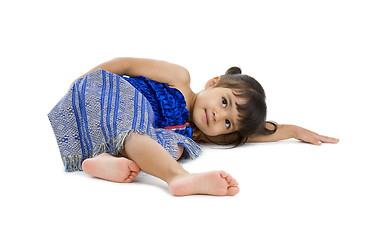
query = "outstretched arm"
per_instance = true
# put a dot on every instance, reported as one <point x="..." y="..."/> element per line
<point x="291" y="131"/>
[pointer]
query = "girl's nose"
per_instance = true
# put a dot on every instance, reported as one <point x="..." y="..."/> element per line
<point x="217" y="115"/>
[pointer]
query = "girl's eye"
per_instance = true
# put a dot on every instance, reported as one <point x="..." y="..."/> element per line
<point x="224" y="102"/>
<point x="227" y="123"/>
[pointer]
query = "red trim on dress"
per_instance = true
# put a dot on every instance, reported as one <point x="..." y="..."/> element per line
<point x="177" y="126"/>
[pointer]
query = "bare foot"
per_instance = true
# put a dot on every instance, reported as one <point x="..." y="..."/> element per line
<point x="217" y="183"/>
<point x="111" y="168"/>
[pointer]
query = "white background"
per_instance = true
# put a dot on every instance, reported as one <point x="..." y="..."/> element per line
<point x="309" y="56"/>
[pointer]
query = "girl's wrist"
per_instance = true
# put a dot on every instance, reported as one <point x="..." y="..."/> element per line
<point x="293" y="131"/>
<point x="296" y="132"/>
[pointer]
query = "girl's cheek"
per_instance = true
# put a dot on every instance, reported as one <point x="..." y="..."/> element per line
<point x="215" y="131"/>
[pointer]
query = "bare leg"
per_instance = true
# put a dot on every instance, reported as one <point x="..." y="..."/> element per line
<point x="111" y="168"/>
<point x="155" y="160"/>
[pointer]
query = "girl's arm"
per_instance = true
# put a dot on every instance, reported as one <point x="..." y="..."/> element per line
<point x="291" y="131"/>
<point x="156" y="70"/>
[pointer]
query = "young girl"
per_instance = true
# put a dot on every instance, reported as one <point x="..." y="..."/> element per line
<point x="132" y="114"/>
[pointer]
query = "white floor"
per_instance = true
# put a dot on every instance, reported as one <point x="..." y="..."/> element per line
<point x="289" y="190"/>
<point x="310" y="58"/>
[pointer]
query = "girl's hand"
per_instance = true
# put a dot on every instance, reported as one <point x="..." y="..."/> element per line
<point x="312" y="137"/>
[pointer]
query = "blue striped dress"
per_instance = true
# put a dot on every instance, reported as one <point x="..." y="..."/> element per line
<point x="100" y="110"/>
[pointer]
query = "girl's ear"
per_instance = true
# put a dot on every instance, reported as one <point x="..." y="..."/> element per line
<point x="212" y="82"/>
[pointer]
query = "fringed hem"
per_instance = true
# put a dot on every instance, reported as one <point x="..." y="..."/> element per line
<point x="193" y="149"/>
<point x="73" y="163"/>
<point x="114" y="146"/>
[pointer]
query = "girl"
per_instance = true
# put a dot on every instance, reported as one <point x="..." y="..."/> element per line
<point x="113" y="123"/>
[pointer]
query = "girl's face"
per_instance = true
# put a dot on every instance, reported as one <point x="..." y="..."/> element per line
<point x="214" y="111"/>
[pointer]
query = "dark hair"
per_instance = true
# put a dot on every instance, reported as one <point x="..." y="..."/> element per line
<point x="253" y="113"/>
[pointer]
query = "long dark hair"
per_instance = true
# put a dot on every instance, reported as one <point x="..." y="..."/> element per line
<point x="253" y="113"/>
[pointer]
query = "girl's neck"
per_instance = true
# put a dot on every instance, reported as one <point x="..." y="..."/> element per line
<point x="189" y="97"/>
<point x="190" y="101"/>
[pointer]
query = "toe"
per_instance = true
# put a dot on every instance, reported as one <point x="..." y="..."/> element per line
<point x="231" y="191"/>
<point x="134" y="167"/>
<point x="224" y="174"/>
<point x="230" y="180"/>
<point x="233" y="182"/>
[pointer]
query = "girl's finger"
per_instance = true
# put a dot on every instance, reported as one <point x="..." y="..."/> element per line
<point x="313" y="139"/>
<point x="326" y="139"/>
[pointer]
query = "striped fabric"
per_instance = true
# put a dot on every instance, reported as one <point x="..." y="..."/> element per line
<point x="98" y="113"/>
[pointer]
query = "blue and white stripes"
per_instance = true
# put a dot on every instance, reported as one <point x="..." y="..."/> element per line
<point x="98" y="113"/>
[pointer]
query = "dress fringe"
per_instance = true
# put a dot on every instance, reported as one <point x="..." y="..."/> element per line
<point x="114" y="146"/>
<point x="97" y="115"/>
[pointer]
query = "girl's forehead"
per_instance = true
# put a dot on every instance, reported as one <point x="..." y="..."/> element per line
<point x="234" y="94"/>
<point x="239" y="99"/>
